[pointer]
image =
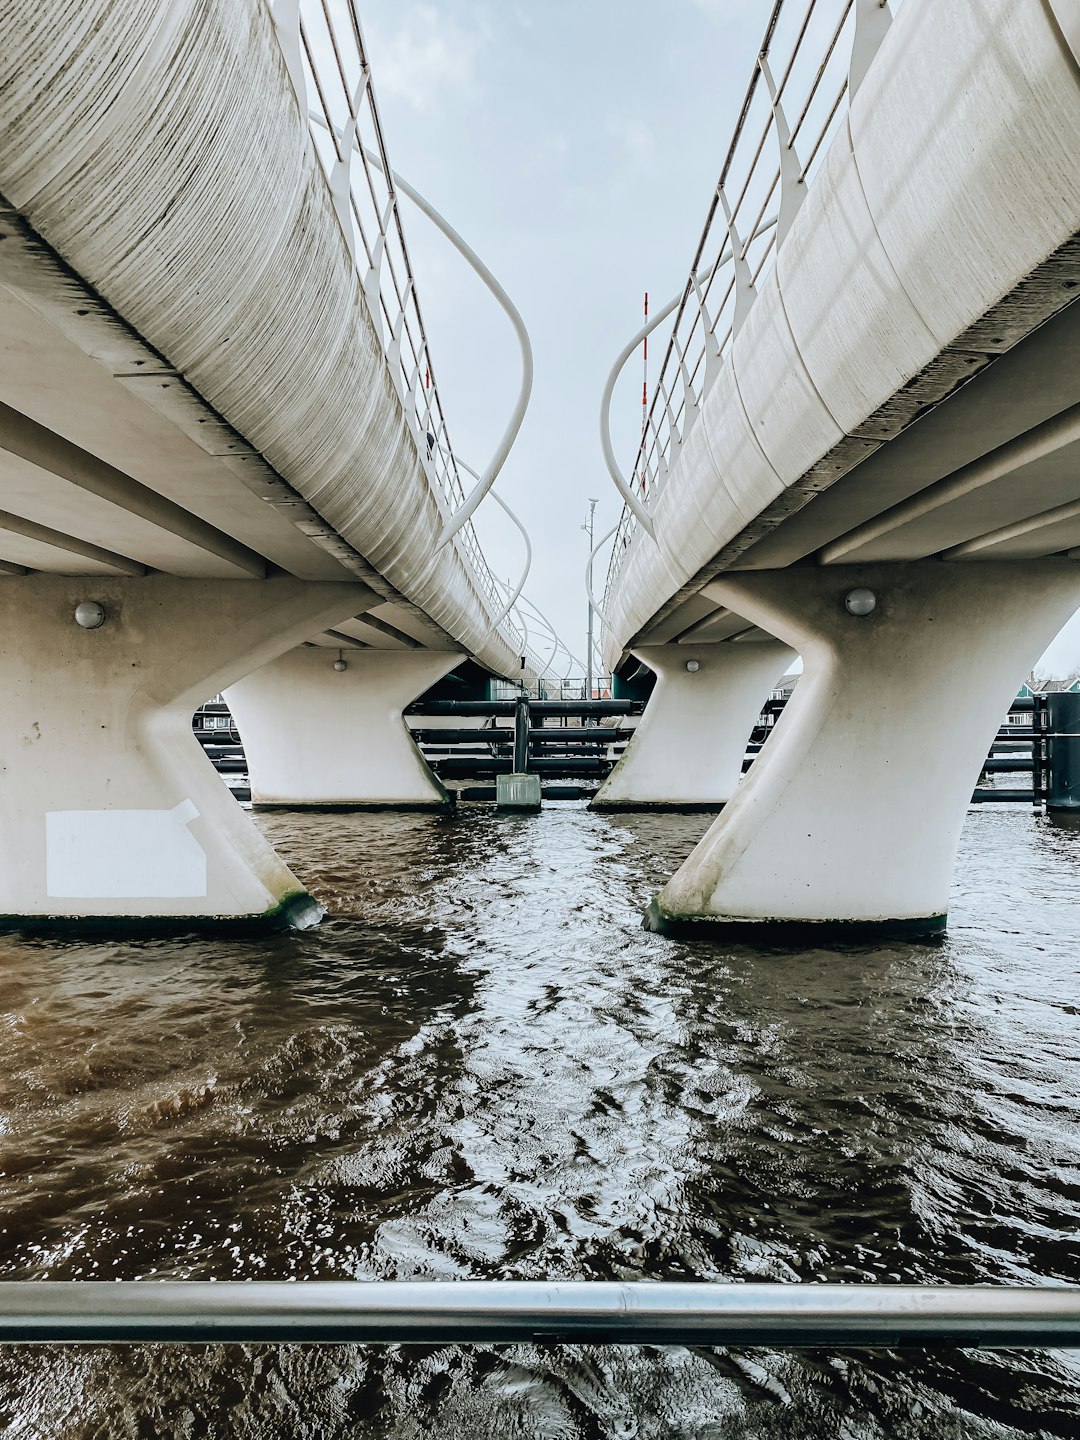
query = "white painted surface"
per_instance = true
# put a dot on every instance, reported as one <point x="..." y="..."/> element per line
<point x="118" y="854"/>
<point x="317" y="736"/>
<point x="794" y="426"/>
<point x="953" y="178"/>
<point x="518" y="792"/>
<point x="743" y="469"/>
<point x="109" y="805"/>
<point x="1036" y="380"/>
<point x="1067" y="15"/>
<point x="196" y="207"/>
<point x="966" y="134"/>
<point x="689" y="746"/>
<point x="854" y="808"/>
<point x="856" y="329"/>
<point x="78" y="374"/>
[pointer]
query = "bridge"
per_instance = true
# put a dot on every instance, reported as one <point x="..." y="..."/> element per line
<point x="223" y="459"/>
<point x="863" y="449"/>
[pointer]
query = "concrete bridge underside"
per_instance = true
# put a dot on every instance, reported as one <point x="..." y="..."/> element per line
<point x="900" y="413"/>
<point x="201" y="434"/>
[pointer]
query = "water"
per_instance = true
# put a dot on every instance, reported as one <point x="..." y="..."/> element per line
<point x="482" y="1066"/>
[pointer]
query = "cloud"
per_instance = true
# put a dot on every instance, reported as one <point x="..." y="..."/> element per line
<point x="428" y="59"/>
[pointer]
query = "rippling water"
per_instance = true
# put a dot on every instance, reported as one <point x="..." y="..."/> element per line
<point x="482" y="1066"/>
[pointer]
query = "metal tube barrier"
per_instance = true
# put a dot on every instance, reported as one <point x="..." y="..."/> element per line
<point x="473" y="1311"/>
<point x="1040" y="724"/>
<point x="521" y="735"/>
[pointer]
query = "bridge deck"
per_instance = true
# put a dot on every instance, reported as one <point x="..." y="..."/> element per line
<point x="904" y="382"/>
<point x="192" y="377"/>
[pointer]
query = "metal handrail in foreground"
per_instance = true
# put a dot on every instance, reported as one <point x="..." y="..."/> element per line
<point x="503" y="1311"/>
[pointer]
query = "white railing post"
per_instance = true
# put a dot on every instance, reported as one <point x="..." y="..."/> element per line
<point x="510" y="434"/>
<point x="792" y="184"/>
<point x="872" y="21"/>
<point x="801" y="125"/>
<point x="745" y="292"/>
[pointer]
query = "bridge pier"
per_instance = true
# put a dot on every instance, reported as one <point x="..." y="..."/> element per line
<point x="849" y="820"/>
<point x="687" y="752"/>
<point x="315" y="735"/>
<point x="113" y="818"/>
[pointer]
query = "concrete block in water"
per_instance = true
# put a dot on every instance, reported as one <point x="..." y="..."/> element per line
<point x="517" y="792"/>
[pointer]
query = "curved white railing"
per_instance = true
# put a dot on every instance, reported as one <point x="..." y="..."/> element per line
<point x="505" y="612"/>
<point x="589" y="569"/>
<point x="543" y="667"/>
<point x="557" y="643"/>
<point x="634" y="501"/>
<point x="323" y="47"/>
<point x="521" y="404"/>
<point x="813" y="56"/>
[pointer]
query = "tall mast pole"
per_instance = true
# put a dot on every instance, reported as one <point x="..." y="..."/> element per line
<point x="644" y="392"/>
<point x="588" y="528"/>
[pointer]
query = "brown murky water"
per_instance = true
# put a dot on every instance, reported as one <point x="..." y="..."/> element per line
<point x="481" y="1066"/>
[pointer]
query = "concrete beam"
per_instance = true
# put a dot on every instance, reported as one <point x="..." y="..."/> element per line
<point x="1049" y="531"/>
<point x="392" y="632"/>
<point x="18" y="525"/>
<point x="1043" y="440"/>
<point x="24" y="437"/>
<point x="346" y="641"/>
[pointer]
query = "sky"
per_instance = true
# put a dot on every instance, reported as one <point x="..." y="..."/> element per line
<point x="575" y="145"/>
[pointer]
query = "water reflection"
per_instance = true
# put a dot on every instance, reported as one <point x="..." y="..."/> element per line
<point x="483" y="1066"/>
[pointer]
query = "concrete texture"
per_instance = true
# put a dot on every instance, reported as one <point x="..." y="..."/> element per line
<point x="851" y="815"/>
<point x="111" y="811"/>
<point x="688" y="749"/>
<point x="945" y="189"/>
<point x="317" y="736"/>
<point x="196" y="208"/>
<point x="517" y="792"/>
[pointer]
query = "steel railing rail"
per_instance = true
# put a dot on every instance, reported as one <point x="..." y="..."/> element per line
<point x="485" y="481"/>
<point x="526" y="604"/>
<point x="322" y="44"/>
<point x="528" y="612"/>
<point x="558" y="645"/>
<point x="793" y="104"/>
<point x="510" y="605"/>
<point x="589" y="570"/>
<point x="590" y="1312"/>
<point x="516" y="606"/>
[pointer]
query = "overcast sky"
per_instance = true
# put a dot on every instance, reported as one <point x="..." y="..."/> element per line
<point x="574" y="144"/>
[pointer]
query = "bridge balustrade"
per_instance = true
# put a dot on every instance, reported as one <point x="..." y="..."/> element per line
<point x="328" y="65"/>
<point x="811" y="60"/>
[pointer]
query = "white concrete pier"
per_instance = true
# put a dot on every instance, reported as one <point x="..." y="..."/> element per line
<point x="848" y="821"/>
<point x="111" y="811"/>
<point x="318" y="735"/>
<point x="688" y="750"/>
